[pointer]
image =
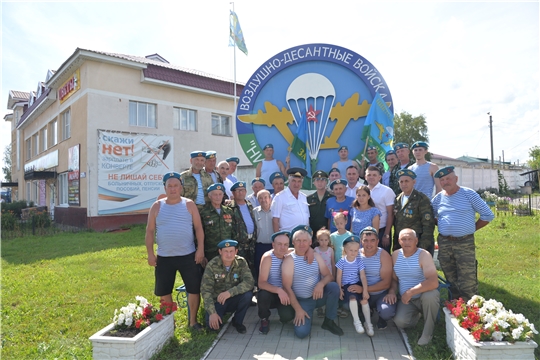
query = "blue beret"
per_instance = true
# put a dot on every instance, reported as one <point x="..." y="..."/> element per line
<point x="390" y="152"/>
<point x="276" y="175"/>
<point x="297" y="172"/>
<point x="233" y="158"/>
<point x="216" y="186"/>
<point x="238" y="184"/>
<point x="283" y="232"/>
<point x="319" y="174"/>
<point x="334" y="170"/>
<point x="172" y="174"/>
<point x="227" y="243"/>
<point x="338" y="181"/>
<point x="371" y="148"/>
<point x="369" y="229"/>
<point x="420" y="144"/>
<point x="259" y="179"/>
<point x="343" y="148"/>
<point x="210" y="154"/>
<point x="268" y="146"/>
<point x="406" y="172"/>
<point x="352" y="238"/>
<point x="195" y="154"/>
<point x="302" y="227"/>
<point x="444" y="171"/>
<point x="401" y="146"/>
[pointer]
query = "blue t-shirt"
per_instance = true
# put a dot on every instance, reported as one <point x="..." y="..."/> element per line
<point x="360" y="219"/>
<point x="200" y="193"/>
<point x="332" y="205"/>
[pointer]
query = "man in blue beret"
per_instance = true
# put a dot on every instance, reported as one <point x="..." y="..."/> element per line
<point x="344" y="162"/>
<point x="391" y="161"/>
<point x="210" y="166"/>
<point x="174" y="224"/>
<point x="372" y="155"/>
<point x="317" y="202"/>
<point x="196" y="180"/>
<point x="257" y="184"/>
<point x="412" y="210"/>
<point x="289" y="207"/>
<point x="269" y="166"/>
<point x="227" y="287"/>
<point x="455" y="209"/>
<point x="402" y="152"/>
<point x="339" y="203"/>
<point x="424" y="170"/>
<point x="233" y="163"/>
<point x="265" y="229"/>
<point x="277" y="180"/>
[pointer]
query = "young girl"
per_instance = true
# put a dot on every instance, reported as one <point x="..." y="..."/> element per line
<point x="327" y="253"/>
<point x="348" y="269"/>
<point x="363" y="212"/>
<point x="337" y="238"/>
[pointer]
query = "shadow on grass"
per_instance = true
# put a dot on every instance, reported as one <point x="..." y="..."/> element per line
<point x="192" y="348"/>
<point x="30" y="249"/>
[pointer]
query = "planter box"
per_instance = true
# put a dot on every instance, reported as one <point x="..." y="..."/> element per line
<point x="141" y="347"/>
<point x="464" y="346"/>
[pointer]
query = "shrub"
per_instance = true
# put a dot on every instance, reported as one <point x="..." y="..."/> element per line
<point x="41" y="219"/>
<point x="9" y="220"/>
<point x="16" y="207"/>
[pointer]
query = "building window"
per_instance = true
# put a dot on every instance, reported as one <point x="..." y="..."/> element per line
<point x="62" y="189"/>
<point x="43" y="138"/>
<point x="221" y="125"/>
<point x="66" y="124"/>
<point x="35" y="192"/>
<point x="185" y="119"/>
<point x="28" y="148"/>
<point x="35" y="144"/>
<point x="28" y="192"/>
<point x="142" y="114"/>
<point x="53" y="131"/>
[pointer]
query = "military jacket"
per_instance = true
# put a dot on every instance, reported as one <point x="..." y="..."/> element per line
<point x="217" y="227"/>
<point x="317" y="209"/>
<point x="191" y="186"/>
<point x="216" y="279"/>
<point x="394" y="183"/>
<point x="246" y="247"/>
<point x="417" y="214"/>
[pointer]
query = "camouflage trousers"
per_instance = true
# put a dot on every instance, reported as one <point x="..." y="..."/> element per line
<point x="458" y="262"/>
<point x="246" y="249"/>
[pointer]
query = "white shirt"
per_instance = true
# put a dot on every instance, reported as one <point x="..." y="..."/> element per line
<point x="290" y="211"/>
<point x="352" y="192"/>
<point x="227" y="185"/>
<point x="382" y="196"/>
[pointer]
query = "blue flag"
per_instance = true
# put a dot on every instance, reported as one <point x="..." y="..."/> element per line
<point x="379" y="127"/>
<point x="300" y="146"/>
<point x="236" y="34"/>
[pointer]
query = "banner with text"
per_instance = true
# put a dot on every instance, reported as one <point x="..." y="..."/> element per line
<point x="130" y="171"/>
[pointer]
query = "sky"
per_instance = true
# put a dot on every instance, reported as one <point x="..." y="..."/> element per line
<point x="451" y="62"/>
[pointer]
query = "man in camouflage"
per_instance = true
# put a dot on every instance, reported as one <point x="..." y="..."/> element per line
<point x="246" y="227"/>
<point x="218" y="220"/>
<point x="210" y="166"/>
<point x="402" y="152"/>
<point x="196" y="180"/>
<point x="412" y="210"/>
<point x="317" y="203"/>
<point x="372" y="154"/>
<point x="227" y="286"/>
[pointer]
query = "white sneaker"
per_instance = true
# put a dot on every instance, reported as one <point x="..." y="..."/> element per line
<point x="369" y="329"/>
<point x="358" y="327"/>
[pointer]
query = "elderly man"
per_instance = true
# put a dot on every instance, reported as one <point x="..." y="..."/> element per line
<point x="265" y="229"/>
<point x="383" y="197"/>
<point x="309" y="286"/>
<point x="269" y="166"/>
<point x="257" y="184"/>
<point x="372" y="155"/>
<point x="338" y="203"/>
<point x="271" y="294"/>
<point x="424" y="170"/>
<point x="416" y="275"/>
<point x="290" y="207"/>
<point x="277" y="180"/>
<point x="227" y="286"/>
<point x="196" y="180"/>
<point x="391" y="160"/>
<point x="412" y="210"/>
<point x="223" y="170"/>
<point x="210" y="166"/>
<point x="317" y="202"/>
<point x="173" y="221"/>
<point x="404" y="162"/>
<point x="218" y="221"/>
<point x="378" y="268"/>
<point x="353" y="183"/>
<point x="344" y="161"/>
<point x="233" y="163"/>
<point x="455" y="209"/>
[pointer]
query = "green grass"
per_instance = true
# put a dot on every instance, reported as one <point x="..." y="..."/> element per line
<point x="507" y="251"/>
<point x="59" y="290"/>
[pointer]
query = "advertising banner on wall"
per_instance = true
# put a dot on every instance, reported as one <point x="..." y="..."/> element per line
<point x="130" y="171"/>
<point x="73" y="176"/>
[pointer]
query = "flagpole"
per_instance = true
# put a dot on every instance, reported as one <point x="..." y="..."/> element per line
<point x="233" y="124"/>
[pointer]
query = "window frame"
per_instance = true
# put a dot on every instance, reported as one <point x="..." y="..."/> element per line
<point x="227" y="128"/>
<point x="53" y="133"/>
<point x="43" y="141"/>
<point x="66" y="125"/>
<point x="182" y="115"/>
<point x="28" y="148"/>
<point x="136" y="119"/>
<point x="63" y="189"/>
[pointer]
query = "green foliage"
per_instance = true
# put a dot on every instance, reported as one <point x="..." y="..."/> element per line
<point x="6" y="169"/>
<point x="410" y="129"/>
<point x="503" y="185"/>
<point x="16" y="207"/>
<point x="534" y="153"/>
<point x="9" y="220"/>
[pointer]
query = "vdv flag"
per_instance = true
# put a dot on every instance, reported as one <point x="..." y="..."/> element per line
<point x="300" y="146"/>
<point x="379" y="127"/>
<point x="236" y="34"/>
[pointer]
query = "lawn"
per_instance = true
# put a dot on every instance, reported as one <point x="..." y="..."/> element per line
<point x="59" y="290"/>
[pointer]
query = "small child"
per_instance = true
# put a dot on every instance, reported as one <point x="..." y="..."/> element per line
<point x="337" y="238"/>
<point x="348" y="269"/>
<point x="326" y="251"/>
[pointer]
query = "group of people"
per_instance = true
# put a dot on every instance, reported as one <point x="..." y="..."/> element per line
<point x="333" y="250"/>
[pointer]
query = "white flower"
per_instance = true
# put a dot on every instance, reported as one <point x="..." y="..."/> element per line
<point x="516" y="333"/>
<point x="520" y="318"/>
<point x="129" y="321"/>
<point x="121" y="318"/>
<point x="497" y="336"/>
<point x="531" y="325"/>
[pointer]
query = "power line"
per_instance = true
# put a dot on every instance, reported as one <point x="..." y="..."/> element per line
<point x="522" y="141"/>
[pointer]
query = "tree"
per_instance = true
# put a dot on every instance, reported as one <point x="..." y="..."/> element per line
<point x="409" y="129"/>
<point x="534" y="153"/>
<point x="6" y="169"/>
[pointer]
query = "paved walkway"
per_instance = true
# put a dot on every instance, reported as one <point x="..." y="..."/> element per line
<point x="280" y="343"/>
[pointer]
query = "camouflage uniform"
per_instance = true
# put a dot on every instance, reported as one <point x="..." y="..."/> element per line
<point x="217" y="227"/>
<point x="463" y="279"/>
<point x="317" y="209"/>
<point x="191" y="186"/>
<point x="417" y="215"/>
<point x="246" y="244"/>
<point x="216" y="279"/>
<point x="394" y="181"/>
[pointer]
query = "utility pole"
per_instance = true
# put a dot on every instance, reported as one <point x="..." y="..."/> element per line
<point x="503" y="160"/>
<point x="491" y="137"/>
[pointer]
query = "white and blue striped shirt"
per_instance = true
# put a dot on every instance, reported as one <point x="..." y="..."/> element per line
<point x="351" y="270"/>
<point x="372" y="266"/>
<point x="274" y="276"/>
<point x="306" y="276"/>
<point x="456" y="213"/>
<point x="408" y="271"/>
